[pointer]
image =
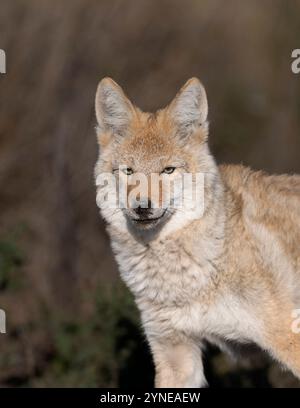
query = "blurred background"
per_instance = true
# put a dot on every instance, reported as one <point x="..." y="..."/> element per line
<point x="70" y="321"/>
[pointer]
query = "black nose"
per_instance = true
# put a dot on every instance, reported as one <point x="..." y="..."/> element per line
<point x="143" y="211"/>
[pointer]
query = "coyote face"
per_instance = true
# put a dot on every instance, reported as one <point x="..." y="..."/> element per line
<point x="151" y="155"/>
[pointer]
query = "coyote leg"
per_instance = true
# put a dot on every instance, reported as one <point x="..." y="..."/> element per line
<point x="177" y="365"/>
<point x="282" y="342"/>
<point x="286" y="349"/>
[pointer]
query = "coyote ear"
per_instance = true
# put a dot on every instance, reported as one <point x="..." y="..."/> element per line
<point x="189" y="108"/>
<point x="113" y="108"/>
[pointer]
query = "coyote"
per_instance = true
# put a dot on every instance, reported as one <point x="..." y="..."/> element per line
<point x="230" y="275"/>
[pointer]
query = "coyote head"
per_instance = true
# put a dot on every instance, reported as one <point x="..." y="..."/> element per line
<point x="147" y="156"/>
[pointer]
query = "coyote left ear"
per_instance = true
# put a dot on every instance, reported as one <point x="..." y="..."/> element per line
<point x="113" y="109"/>
<point x="189" y="108"/>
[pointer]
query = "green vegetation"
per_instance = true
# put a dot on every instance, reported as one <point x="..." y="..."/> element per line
<point x="94" y="351"/>
<point x="10" y="260"/>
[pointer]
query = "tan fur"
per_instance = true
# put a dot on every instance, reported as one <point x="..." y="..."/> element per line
<point x="231" y="275"/>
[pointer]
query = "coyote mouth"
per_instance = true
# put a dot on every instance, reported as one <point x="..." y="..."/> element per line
<point x="148" y="221"/>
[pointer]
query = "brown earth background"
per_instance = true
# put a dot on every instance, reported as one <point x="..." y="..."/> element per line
<point x="69" y="320"/>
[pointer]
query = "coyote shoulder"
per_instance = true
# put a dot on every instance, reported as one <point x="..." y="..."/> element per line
<point x="231" y="274"/>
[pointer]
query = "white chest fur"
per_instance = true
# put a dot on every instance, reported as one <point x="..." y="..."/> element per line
<point x="176" y="292"/>
<point x="162" y="273"/>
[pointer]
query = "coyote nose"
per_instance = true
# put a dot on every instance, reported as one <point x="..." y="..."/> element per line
<point x="144" y="209"/>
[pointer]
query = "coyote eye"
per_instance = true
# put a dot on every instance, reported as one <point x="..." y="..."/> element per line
<point x="128" y="171"/>
<point x="168" y="170"/>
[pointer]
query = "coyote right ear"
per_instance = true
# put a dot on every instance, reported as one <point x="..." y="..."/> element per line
<point x="113" y="109"/>
<point x="189" y="108"/>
